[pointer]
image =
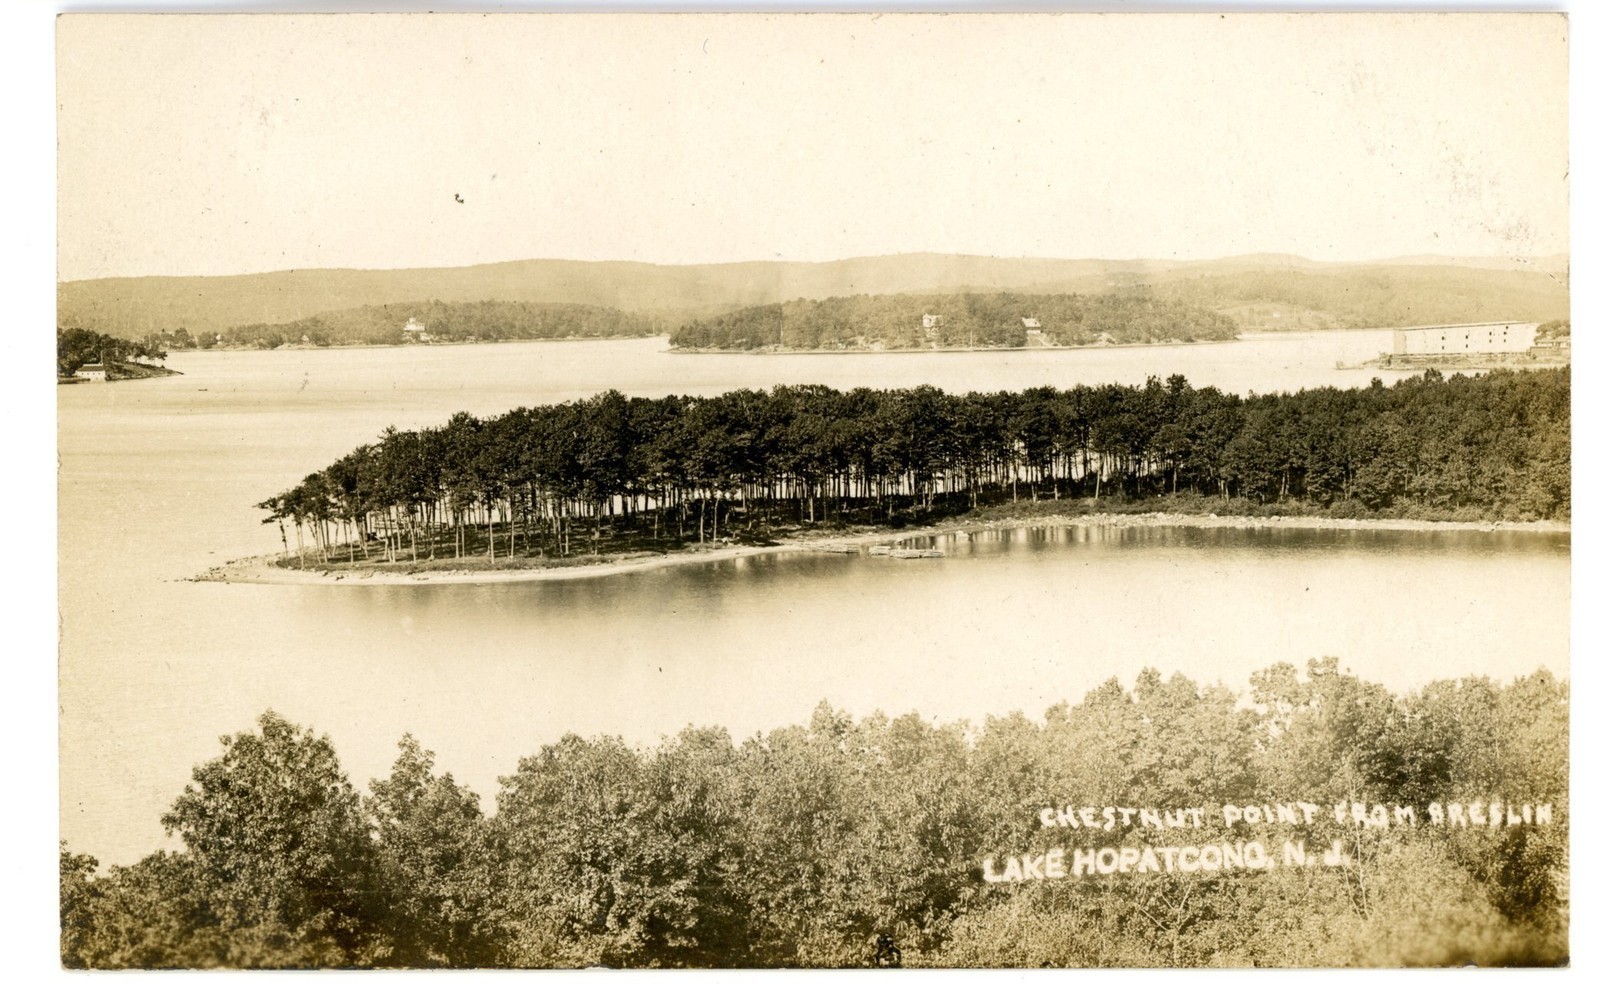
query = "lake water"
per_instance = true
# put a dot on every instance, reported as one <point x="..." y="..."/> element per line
<point x="158" y="479"/>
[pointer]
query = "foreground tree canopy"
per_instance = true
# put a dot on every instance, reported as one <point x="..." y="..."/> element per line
<point x="1495" y="446"/>
<point x="798" y="847"/>
<point x="931" y="321"/>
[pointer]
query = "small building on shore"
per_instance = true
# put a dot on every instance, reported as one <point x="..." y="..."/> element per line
<point x="1474" y="339"/>
<point x="94" y="372"/>
<point x="416" y="331"/>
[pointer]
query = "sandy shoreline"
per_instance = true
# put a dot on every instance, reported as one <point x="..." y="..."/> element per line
<point x="263" y="570"/>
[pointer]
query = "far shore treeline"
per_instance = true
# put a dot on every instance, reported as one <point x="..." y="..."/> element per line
<point x="1262" y="292"/>
<point x="535" y="480"/>
<point x="969" y="320"/>
<point x="459" y="321"/>
<point x="800" y="846"/>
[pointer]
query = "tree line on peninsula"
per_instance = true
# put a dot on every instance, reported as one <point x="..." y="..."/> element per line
<point x="967" y="320"/>
<point x="78" y="346"/>
<point x="799" y="846"/>
<point x="681" y="468"/>
<point x="457" y="321"/>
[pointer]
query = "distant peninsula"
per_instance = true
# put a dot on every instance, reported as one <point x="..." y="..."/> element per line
<point x="583" y="299"/>
<point x="84" y="356"/>
<point x="421" y="322"/>
<point x="962" y="322"/>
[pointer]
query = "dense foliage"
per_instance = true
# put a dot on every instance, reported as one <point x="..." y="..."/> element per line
<point x="1552" y="331"/>
<point x="480" y="321"/>
<point x="1495" y="446"/>
<point x="913" y="321"/>
<point x="77" y="346"/>
<point x="796" y="848"/>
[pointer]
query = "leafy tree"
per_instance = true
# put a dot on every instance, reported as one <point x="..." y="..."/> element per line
<point x="282" y="851"/>
<point x="1319" y="742"/>
<point x="78" y="897"/>
<point x="435" y="866"/>
<point x="156" y="914"/>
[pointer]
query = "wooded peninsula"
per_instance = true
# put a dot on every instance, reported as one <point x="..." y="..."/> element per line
<point x="613" y="475"/>
<point x="117" y="358"/>
<point x="961" y="321"/>
<point x="425" y="321"/>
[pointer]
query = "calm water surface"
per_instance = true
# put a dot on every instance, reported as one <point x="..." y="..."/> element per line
<point x="158" y="480"/>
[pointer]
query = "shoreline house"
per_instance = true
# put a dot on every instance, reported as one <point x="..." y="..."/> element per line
<point x="416" y="331"/>
<point x="1557" y="343"/>
<point x="1471" y="339"/>
<point x="94" y="372"/>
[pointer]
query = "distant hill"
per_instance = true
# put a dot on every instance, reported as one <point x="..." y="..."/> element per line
<point x="1556" y="264"/>
<point x="1342" y="294"/>
<point x="1371" y="296"/>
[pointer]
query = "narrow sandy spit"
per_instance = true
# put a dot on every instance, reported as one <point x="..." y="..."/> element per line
<point x="264" y="570"/>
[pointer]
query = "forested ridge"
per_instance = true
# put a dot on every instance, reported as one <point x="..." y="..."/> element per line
<point x="797" y="847"/>
<point x="385" y="324"/>
<point x="967" y="320"/>
<point x="557" y="479"/>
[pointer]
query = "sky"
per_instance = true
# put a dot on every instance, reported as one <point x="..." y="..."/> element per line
<point x="237" y="144"/>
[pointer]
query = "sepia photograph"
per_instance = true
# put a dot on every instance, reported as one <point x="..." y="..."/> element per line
<point x="813" y="490"/>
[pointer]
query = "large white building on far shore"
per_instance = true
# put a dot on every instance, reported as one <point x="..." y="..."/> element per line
<point x="1473" y="339"/>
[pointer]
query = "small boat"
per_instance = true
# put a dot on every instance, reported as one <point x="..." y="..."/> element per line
<point x="909" y="554"/>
